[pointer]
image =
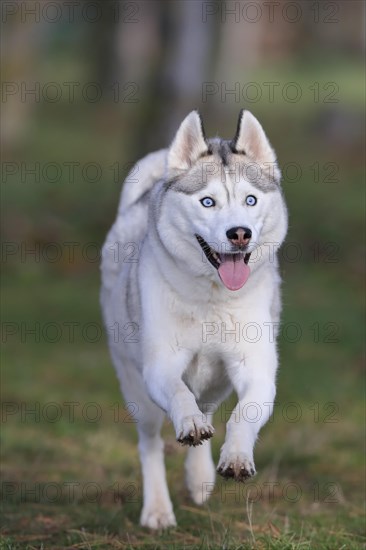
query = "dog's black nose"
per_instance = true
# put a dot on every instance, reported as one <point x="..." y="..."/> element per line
<point x="239" y="235"/>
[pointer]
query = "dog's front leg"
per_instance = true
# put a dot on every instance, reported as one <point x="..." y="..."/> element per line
<point x="163" y="378"/>
<point x="253" y="379"/>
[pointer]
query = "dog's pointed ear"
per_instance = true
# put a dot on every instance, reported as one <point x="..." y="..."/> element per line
<point x="189" y="143"/>
<point x="250" y="139"/>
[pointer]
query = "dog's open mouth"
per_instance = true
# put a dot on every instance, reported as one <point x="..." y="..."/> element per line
<point x="233" y="268"/>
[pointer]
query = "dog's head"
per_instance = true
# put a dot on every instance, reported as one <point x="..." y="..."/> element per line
<point x="222" y="208"/>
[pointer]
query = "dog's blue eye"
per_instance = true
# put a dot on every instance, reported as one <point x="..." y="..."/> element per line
<point x="207" y="202"/>
<point x="251" y="200"/>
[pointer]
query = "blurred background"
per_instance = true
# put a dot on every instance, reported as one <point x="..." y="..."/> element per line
<point x="87" y="89"/>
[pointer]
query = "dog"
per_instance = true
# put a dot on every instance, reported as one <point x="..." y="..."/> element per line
<point x="191" y="301"/>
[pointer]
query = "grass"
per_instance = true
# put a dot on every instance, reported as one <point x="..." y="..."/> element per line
<point x="70" y="472"/>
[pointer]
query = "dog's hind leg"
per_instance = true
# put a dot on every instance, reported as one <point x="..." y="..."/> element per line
<point x="157" y="511"/>
<point x="200" y="471"/>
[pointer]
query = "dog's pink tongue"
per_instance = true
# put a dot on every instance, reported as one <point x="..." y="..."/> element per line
<point x="233" y="271"/>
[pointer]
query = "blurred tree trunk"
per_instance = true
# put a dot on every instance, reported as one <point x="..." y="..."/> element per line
<point x="168" y="54"/>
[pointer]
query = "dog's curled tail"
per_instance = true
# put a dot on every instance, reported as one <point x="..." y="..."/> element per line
<point x="141" y="178"/>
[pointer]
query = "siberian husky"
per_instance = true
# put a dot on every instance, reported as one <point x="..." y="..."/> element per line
<point x="191" y="301"/>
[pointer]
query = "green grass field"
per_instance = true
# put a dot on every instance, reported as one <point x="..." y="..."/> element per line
<point x="70" y="470"/>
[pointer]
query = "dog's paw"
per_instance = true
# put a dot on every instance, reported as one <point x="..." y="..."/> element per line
<point x="194" y="431"/>
<point x="157" y="519"/>
<point x="237" y="466"/>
